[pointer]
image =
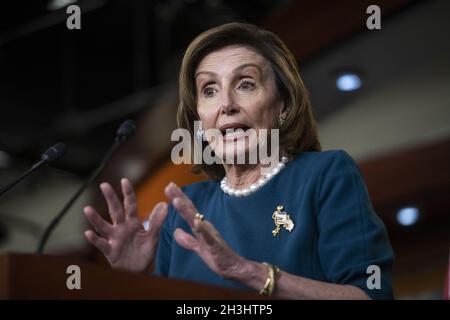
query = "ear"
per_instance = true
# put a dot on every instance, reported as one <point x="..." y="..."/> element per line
<point x="283" y="108"/>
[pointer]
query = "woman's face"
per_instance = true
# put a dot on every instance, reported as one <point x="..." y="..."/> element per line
<point x="236" y="90"/>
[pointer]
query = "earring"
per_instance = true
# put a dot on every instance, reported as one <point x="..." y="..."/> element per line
<point x="199" y="134"/>
<point x="281" y="119"/>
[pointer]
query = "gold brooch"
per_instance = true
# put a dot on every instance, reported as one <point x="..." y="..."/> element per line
<point x="281" y="219"/>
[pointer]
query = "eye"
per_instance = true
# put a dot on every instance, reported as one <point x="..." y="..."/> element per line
<point x="246" y="85"/>
<point x="208" y="92"/>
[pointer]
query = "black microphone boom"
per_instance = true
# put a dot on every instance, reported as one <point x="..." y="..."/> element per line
<point x="52" y="154"/>
<point x="126" y="130"/>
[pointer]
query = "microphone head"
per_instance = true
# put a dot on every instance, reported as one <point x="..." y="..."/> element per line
<point x="54" y="153"/>
<point x="126" y="130"/>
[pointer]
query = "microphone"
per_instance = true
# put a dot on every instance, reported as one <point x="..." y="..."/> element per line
<point x="125" y="131"/>
<point x="53" y="153"/>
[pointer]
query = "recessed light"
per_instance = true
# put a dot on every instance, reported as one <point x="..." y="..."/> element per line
<point x="408" y="216"/>
<point x="348" y="82"/>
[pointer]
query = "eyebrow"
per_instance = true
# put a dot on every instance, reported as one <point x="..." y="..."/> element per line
<point x="236" y="70"/>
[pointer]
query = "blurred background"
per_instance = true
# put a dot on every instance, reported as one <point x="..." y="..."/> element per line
<point x="381" y="95"/>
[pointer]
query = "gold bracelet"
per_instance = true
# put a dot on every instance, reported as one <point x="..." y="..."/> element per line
<point x="269" y="286"/>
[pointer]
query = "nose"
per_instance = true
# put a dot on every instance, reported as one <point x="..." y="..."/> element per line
<point x="227" y="104"/>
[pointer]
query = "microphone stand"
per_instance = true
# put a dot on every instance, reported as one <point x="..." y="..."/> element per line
<point x="56" y="219"/>
<point x="53" y="153"/>
<point x="23" y="176"/>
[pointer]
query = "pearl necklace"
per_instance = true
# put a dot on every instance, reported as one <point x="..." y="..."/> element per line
<point x="255" y="186"/>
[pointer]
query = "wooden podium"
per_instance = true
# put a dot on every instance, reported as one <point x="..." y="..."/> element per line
<point x="44" y="277"/>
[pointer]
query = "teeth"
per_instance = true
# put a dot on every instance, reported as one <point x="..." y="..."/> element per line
<point x="234" y="134"/>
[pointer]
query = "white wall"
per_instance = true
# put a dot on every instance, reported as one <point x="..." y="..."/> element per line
<point x="412" y="109"/>
<point x="30" y="206"/>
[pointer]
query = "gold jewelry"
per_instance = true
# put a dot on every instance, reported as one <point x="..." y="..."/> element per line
<point x="199" y="216"/>
<point x="269" y="286"/>
<point x="282" y="219"/>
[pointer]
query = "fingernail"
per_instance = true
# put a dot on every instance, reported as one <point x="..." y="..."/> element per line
<point x="170" y="186"/>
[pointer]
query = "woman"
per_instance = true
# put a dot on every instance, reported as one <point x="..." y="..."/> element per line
<point x="304" y="229"/>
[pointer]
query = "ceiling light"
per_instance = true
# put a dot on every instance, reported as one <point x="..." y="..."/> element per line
<point x="408" y="216"/>
<point x="348" y="82"/>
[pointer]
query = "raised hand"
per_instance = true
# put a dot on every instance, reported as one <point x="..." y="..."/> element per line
<point x="125" y="243"/>
<point x="206" y="240"/>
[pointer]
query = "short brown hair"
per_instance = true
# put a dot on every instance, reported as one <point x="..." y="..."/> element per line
<point x="298" y="133"/>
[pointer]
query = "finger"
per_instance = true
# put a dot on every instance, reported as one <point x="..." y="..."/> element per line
<point x="114" y="205"/>
<point x="129" y="198"/>
<point x="99" y="224"/>
<point x="186" y="209"/>
<point x="182" y="203"/>
<point x="171" y="190"/>
<point x="156" y="219"/>
<point x="206" y="232"/>
<point x="100" y="243"/>
<point x="185" y="240"/>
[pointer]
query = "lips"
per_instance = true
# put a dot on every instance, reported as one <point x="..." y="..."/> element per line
<point x="230" y="127"/>
<point x="233" y="131"/>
